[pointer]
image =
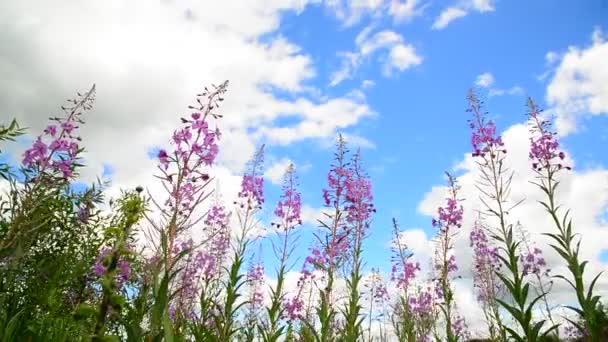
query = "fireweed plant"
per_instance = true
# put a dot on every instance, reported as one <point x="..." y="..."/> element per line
<point x="179" y="266"/>
<point x="495" y="185"/>
<point x="487" y="285"/>
<point x="448" y="222"/>
<point x="408" y="312"/>
<point x="548" y="162"/>
<point x="287" y="212"/>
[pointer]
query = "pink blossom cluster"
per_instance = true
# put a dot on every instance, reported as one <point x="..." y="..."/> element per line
<point x="485" y="263"/>
<point x="449" y="216"/>
<point x="421" y="304"/>
<point x="252" y="186"/>
<point x="336" y="181"/>
<point x="60" y="153"/>
<point x="483" y="136"/>
<point x="358" y="199"/>
<point x="255" y="279"/>
<point x="219" y="232"/>
<point x="544" y="147"/>
<point x="196" y="265"/>
<point x="403" y="273"/>
<point x="102" y="263"/>
<point x="289" y="206"/>
<point x="533" y="262"/>
<point x="252" y="183"/>
<point x="293" y="308"/>
<point x="195" y="146"/>
<point x="380" y="293"/>
<point x="460" y="328"/>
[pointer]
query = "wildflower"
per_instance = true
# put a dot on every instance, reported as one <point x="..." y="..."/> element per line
<point x="59" y="155"/>
<point x="484" y="139"/>
<point x="289" y="207"/>
<point x="252" y="184"/>
<point x="255" y="279"/>
<point x="544" y="147"/>
<point x="533" y="262"/>
<point x="293" y="308"/>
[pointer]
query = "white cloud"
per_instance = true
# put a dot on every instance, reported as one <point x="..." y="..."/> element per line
<point x="460" y="10"/>
<point x="482" y="5"/>
<point x="404" y="57"/>
<point x="400" y="56"/>
<point x="349" y="63"/>
<point x="405" y="11"/>
<point x="275" y="172"/>
<point x="350" y="12"/>
<point x="321" y="120"/>
<point x="382" y="39"/>
<point x="578" y="190"/>
<point x="485" y="80"/>
<point x="366" y="84"/>
<point x="447" y="16"/>
<point x="579" y="86"/>
<point x="148" y="67"/>
<point x="357" y="141"/>
<point x="551" y="57"/>
<point x="515" y="90"/>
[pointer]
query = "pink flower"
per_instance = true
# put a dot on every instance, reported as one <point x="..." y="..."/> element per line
<point x="289" y="206"/>
<point x="544" y="147"/>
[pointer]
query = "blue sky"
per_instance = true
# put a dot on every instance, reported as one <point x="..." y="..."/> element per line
<point x="421" y="127"/>
<point x="392" y="75"/>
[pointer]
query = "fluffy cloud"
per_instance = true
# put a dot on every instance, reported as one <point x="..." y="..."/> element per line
<point x="460" y="10"/>
<point x="578" y="190"/>
<point x="148" y="61"/>
<point x="579" y="85"/>
<point x="400" y="55"/>
<point x="350" y="12"/>
<point x="485" y="80"/>
<point x="275" y="172"/>
<point x="447" y="16"/>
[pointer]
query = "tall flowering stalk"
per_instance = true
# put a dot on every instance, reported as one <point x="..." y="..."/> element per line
<point x="534" y="265"/>
<point x="358" y="209"/>
<point x="209" y="267"/>
<point x="377" y="293"/>
<point x="403" y="273"/>
<point x="184" y="174"/>
<point x="485" y="266"/>
<point x="113" y="265"/>
<point x="255" y="284"/>
<point x="448" y="222"/>
<point x="494" y="185"/>
<point x="547" y="162"/>
<point x="288" y="212"/>
<point x="335" y="244"/>
<point x="49" y="164"/>
<point x="250" y="200"/>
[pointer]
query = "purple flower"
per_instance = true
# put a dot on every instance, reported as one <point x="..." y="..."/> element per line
<point x="422" y="303"/>
<point x="544" y="147"/>
<point x="255" y="279"/>
<point x="483" y="132"/>
<point x="99" y="269"/>
<point x="402" y="275"/>
<point x="358" y="200"/>
<point x="460" y="328"/>
<point x="289" y="207"/>
<point x="533" y="262"/>
<point x="485" y="264"/>
<point x="293" y="308"/>
<point x="253" y="187"/>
